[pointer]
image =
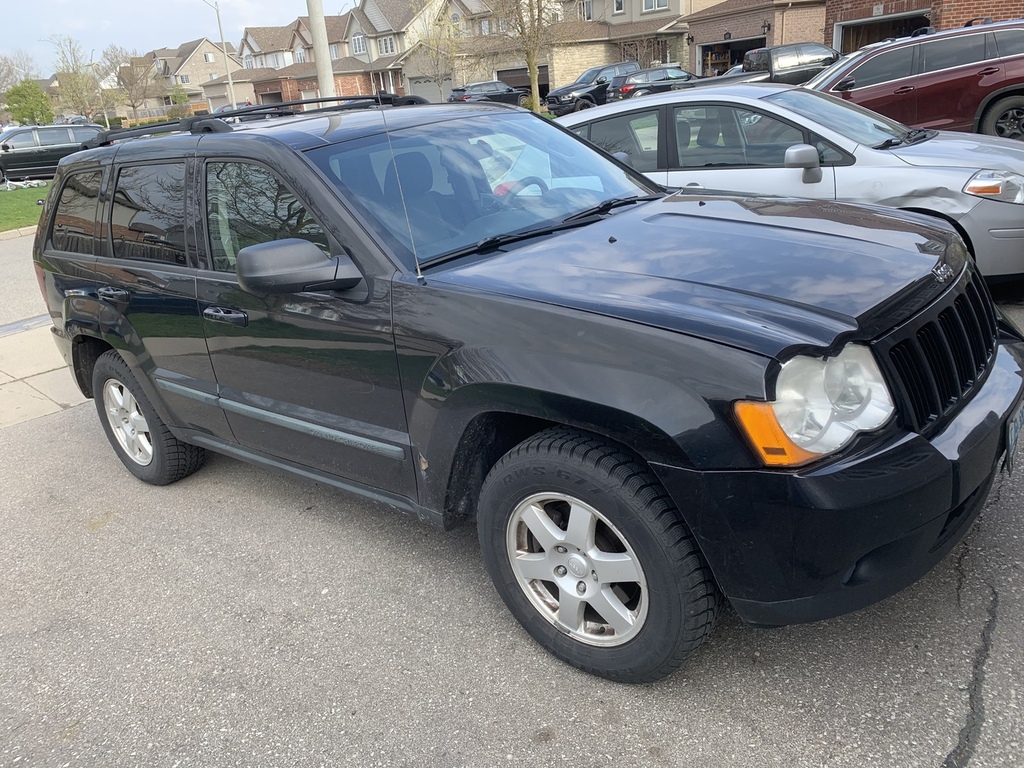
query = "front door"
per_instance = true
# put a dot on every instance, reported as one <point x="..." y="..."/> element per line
<point x="311" y="377"/>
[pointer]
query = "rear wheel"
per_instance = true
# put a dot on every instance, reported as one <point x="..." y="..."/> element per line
<point x="140" y="439"/>
<point x="589" y="554"/>
<point x="1005" y="118"/>
<point x="523" y="100"/>
<point x="640" y="93"/>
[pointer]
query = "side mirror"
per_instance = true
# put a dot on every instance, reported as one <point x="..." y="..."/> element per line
<point x="5" y="147"/>
<point x="848" y="83"/>
<point x="804" y="156"/>
<point x="292" y="266"/>
<point x="602" y="79"/>
<point x="623" y="158"/>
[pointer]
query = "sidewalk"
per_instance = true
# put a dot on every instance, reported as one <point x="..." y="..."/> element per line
<point x="10" y="234"/>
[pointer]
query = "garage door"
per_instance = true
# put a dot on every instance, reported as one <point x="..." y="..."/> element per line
<point x="520" y="78"/>
<point x="420" y="86"/>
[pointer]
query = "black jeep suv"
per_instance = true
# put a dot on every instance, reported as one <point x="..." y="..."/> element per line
<point x="647" y="402"/>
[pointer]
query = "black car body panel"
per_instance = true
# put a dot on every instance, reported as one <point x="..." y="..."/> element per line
<point x="646" y="81"/>
<point x="493" y="90"/>
<point x="34" y="151"/>
<point x="644" y="324"/>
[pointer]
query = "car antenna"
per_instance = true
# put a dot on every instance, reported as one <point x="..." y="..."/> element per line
<point x="401" y="196"/>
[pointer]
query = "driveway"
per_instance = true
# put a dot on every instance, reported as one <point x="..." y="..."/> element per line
<point x="243" y="618"/>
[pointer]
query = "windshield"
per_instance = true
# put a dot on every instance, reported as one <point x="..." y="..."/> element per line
<point x="437" y="188"/>
<point x="843" y="63"/>
<point x="846" y="119"/>
<point x="589" y="76"/>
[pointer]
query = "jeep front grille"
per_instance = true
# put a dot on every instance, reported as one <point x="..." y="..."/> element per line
<point x="936" y="359"/>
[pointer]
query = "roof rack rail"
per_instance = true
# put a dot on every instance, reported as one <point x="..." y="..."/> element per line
<point x="979" y="19"/>
<point x="923" y="31"/>
<point x="193" y="124"/>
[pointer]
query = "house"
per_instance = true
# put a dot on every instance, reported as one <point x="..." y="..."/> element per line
<point x="188" y="66"/>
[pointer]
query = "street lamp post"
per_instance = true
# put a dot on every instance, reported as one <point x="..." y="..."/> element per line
<point x="224" y="48"/>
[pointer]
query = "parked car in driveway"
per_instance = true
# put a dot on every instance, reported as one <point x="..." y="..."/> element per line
<point x="771" y="139"/>
<point x="589" y="90"/>
<point x="492" y="90"/>
<point x="644" y="82"/>
<point x="965" y="79"/>
<point x="33" y="151"/>
<point x="648" y="402"/>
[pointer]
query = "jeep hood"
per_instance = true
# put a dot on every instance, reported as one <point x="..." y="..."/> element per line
<point x="964" y="150"/>
<point x="565" y="90"/>
<point x="762" y="274"/>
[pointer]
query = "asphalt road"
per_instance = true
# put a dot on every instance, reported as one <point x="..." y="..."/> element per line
<point x="243" y="618"/>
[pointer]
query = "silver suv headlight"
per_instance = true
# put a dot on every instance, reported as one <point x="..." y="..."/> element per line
<point x="1005" y="186"/>
<point x="820" y="405"/>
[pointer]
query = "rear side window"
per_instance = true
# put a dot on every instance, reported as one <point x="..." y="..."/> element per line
<point x="74" y="223"/>
<point x="49" y="137"/>
<point x="787" y="58"/>
<point x="953" y="52"/>
<point x="1010" y="42"/>
<point x="83" y="134"/>
<point x="636" y="134"/>
<point x="890" y="65"/>
<point x="247" y="205"/>
<point x="148" y="213"/>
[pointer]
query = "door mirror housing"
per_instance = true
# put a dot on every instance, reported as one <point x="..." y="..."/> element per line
<point x="805" y="156"/>
<point x="602" y="79"/>
<point x="293" y="265"/>
<point x="848" y="83"/>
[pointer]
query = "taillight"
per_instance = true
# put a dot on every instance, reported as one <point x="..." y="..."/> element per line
<point x="626" y="88"/>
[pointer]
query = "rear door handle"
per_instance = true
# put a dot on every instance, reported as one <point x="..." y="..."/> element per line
<point x="112" y="294"/>
<point x="903" y="90"/>
<point x="988" y="71"/>
<point x="224" y="315"/>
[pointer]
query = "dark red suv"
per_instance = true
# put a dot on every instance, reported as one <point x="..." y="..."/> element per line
<point x="965" y="79"/>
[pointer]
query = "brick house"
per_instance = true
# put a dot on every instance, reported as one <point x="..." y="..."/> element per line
<point x="188" y="66"/>
<point x="723" y="32"/>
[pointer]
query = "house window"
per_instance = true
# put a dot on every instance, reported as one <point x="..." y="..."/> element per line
<point x="334" y="51"/>
<point x="183" y="79"/>
<point x="586" y="9"/>
<point x="655" y="5"/>
<point x="300" y="55"/>
<point x="359" y="44"/>
<point x="386" y="46"/>
<point x="249" y="62"/>
<point x="619" y="6"/>
<point x="208" y="57"/>
<point x="212" y="75"/>
<point x="485" y="27"/>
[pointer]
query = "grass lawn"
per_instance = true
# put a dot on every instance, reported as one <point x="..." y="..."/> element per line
<point x="18" y="207"/>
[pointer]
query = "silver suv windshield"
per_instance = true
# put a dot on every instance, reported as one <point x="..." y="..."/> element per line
<point x="849" y="120"/>
<point x="431" y="190"/>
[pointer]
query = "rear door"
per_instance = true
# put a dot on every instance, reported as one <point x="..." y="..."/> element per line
<point x="54" y="143"/>
<point x="22" y="154"/>
<point x="955" y="76"/>
<point x="637" y="134"/>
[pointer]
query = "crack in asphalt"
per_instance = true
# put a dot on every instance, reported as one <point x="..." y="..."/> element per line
<point x="961" y="572"/>
<point x="970" y="734"/>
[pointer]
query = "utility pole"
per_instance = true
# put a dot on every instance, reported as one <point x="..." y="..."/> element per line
<point x="321" y="52"/>
<point x="224" y="49"/>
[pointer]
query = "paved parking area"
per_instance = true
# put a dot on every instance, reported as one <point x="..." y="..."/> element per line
<point x="244" y="618"/>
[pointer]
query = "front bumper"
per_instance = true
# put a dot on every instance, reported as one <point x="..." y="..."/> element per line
<point x="996" y="231"/>
<point x="561" y="108"/>
<point x="792" y="547"/>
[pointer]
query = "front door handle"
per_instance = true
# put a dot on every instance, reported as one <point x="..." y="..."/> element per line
<point x="112" y="294"/>
<point x="224" y="315"/>
<point x="988" y="71"/>
<point x="903" y="90"/>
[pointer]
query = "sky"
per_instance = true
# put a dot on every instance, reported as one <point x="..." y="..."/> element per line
<point x="140" y="24"/>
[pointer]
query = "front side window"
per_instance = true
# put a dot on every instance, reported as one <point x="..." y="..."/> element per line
<point x="386" y="46"/>
<point x="952" y="52"/>
<point x="20" y="140"/>
<point x="359" y="44"/>
<point x="1010" y="42"/>
<point x="707" y="137"/>
<point x="890" y="65"/>
<point x="74" y="223"/>
<point x="147" y="219"/>
<point x="247" y="204"/>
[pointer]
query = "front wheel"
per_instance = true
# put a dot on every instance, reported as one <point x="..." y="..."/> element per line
<point x="140" y="439"/>
<point x="582" y="104"/>
<point x="1005" y="118"/>
<point x="591" y="557"/>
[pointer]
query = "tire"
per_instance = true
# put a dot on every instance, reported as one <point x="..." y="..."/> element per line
<point x="522" y="100"/>
<point x="1005" y="118"/>
<point x="140" y="439"/>
<point x="571" y="525"/>
<point x="582" y="104"/>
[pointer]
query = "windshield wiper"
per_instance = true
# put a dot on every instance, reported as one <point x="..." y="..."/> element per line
<point x="604" y="207"/>
<point x="912" y="136"/>
<point x="889" y="143"/>
<point x="496" y="241"/>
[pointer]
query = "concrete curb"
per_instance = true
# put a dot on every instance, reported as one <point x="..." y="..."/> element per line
<point x="10" y="234"/>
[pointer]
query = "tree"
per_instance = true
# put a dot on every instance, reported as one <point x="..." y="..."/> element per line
<point x="179" y="98"/>
<point x="439" y="48"/>
<point x="136" y="77"/>
<point x="14" y="68"/>
<point x="77" y="86"/>
<point x="530" y="27"/>
<point x="29" y="104"/>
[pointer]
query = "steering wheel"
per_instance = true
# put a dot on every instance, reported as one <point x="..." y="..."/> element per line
<point x="512" y="188"/>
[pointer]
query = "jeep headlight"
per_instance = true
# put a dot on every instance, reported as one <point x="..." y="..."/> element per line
<point x="1005" y="186"/>
<point x="820" y="405"/>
